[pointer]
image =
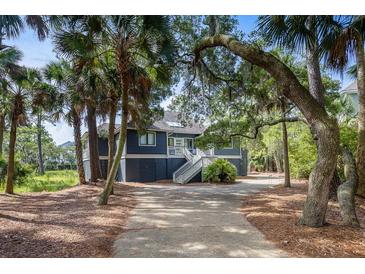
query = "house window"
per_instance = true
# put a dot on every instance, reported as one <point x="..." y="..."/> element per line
<point x="229" y="146"/>
<point x="171" y="142"/>
<point x="189" y="143"/>
<point x="148" y="139"/>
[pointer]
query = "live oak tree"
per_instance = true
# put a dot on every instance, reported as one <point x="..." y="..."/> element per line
<point x="323" y="126"/>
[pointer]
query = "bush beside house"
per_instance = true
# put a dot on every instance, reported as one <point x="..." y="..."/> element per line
<point x="220" y="171"/>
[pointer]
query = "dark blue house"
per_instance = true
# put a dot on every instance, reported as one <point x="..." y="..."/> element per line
<point x="166" y="151"/>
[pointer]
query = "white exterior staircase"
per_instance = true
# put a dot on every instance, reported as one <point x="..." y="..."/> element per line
<point x="194" y="164"/>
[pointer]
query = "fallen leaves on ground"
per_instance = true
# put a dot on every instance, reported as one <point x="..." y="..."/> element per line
<point x="66" y="223"/>
<point x="275" y="212"/>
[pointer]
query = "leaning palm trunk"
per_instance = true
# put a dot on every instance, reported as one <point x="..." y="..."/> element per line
<point x="323" y="127"/>
<point x="2" y="129"/>
<point x="39" y="144"/>
<point x="93" y="144"/>
<point x="76" y="121"/>
<point x="360" y="155"/>
<point x="103" y="200"/>
<point x="111" y="139"/>
<point x="346" y="191"/>
<point x="11" y="156"/>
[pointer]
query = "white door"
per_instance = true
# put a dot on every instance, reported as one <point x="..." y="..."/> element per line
<point x="179" y="146"/>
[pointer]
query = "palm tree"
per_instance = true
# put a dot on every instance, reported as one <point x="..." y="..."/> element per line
<point x="80" y="41"/>
<point x="71" y="105"/>
<point x="8" y="58"/>
<point x="142" y="46"/>
<point x="23" y="95"/>
<point x="348" y="39"/>
<point x="10" y="27"/>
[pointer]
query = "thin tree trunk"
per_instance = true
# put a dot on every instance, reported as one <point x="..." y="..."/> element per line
<point x="2" y="129"/>
<point x="346" y="191"/>
<point x="111" y="139"/>
<point x="360" y="154"/>
<point x="39" y="144"/>
<point x="285" y="147"/>
<point x="11" y="156"/>
<point x="76" y="121"/>
<point x="323" y="127"/>
<point x="93" y="144"/>
<point x="103" y="200"/>
<point x="316" y="87"/>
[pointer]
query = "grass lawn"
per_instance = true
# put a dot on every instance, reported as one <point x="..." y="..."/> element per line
<point x="50" y="181"/>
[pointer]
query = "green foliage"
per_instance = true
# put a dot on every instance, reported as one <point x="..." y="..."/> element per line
<point x="302" y="150"/>
<point x="348" y="136"/>
<point x="220" y="171"/>
<point x="21" y="171"/>
<point x="50" y="181"/>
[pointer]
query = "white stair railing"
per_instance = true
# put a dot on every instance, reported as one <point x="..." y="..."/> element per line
<point x="182" y="174"/>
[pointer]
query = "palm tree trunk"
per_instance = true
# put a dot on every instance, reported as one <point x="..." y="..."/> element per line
<point x="78" y="146"/>
<point x="93" y="144"/>
<point x="316" y="87"/>
<point x="103" y="200"/>
<point x="2" y="129"/>
<point x="11" y="157"/>
<point x="111" y="139"/>
<point x="360" y="155"/>
<point x="39" y="144"/>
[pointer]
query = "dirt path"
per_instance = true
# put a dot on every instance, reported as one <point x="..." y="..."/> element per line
<point x="195" y="220"/>
<point x="65" y="223"/>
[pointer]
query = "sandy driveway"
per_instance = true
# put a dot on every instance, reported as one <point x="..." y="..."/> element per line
<point x="194" y="220"/>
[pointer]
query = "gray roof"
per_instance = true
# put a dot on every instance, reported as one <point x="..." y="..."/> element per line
<point x="352" y="88"/>
<point x="67" y="144"/>
<point x="170" y="123"/>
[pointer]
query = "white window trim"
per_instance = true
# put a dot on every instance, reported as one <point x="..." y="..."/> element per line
<point x="192" y="142"/>
<point x="230" y="147"/>
<point x="147" y="132"/>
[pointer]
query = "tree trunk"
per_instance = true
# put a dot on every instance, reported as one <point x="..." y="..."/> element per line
<point x="93" y="144"/>
<point x="278" y="162"/>
<point x="2" y="129"/>
<point x="286" y="155"/>
<point x="111" y="139"/>
<point x="39" y="144"/>
<point x="323" y="127"/>
<point x="346" y="191"/>
<point x="11" y="156"/>
<point x="78" y="146"/>
<point x="316" y="87"/>
<point x="103" y="200"/>
<point x="360" y="154"/>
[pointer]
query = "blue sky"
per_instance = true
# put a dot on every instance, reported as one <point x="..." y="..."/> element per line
<point x="37" y="54"/>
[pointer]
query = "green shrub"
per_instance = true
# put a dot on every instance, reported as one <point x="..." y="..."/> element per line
<point x="21" y="171"/>
<point x="220" y="170"/>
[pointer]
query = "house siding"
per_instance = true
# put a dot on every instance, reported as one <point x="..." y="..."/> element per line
<point x="103" y="146"/>
<point x="133" y="146"/>
<point x="235" y="150"/>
